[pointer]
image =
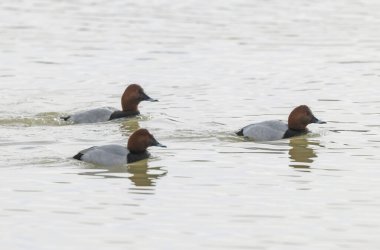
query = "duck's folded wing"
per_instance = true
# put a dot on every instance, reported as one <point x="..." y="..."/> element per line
<point x="265" y="131"/>
<point x="92" y="116"/>
<point x="108" y="155"/>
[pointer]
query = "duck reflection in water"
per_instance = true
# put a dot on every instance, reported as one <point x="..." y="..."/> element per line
<point x="139" y="173"/>
<point x="301" y="154"/>
<point x="128" y="126"/>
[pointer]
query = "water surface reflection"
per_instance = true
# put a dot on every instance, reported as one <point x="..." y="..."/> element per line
<point x="128" y="126"/>
<point x="139" y="173"/>
<point x="301" y="153"/>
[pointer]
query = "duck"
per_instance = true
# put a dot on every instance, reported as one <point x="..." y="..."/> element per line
<point x="130" y="100"/>
<point x="298" y="120"/>
<point x="117" y="155"/>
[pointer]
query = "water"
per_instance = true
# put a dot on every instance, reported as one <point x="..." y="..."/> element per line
<point x="215" y="66"/>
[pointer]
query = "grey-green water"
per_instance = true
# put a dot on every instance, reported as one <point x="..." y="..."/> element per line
<point x="215" y="66"/>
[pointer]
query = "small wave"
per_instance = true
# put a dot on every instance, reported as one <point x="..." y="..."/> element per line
<point x="41" y="119"/>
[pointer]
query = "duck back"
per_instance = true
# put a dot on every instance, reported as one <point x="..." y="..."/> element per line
<point x="265" y="131"/>
<point x="92" y="116"/>
<point x="107" y="155"/>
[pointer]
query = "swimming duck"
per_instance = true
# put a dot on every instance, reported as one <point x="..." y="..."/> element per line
<point x="116" y="155"/>
<point x="272" y="130"/>
<point x="130" y="100"/>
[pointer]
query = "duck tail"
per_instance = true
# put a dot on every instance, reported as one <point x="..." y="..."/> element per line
<point x="65" y="118"/>
<point x="240" y="132"/>
<point x="78" y="156"/>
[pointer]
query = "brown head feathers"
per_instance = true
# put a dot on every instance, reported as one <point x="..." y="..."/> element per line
<point x="140" y="140"/>
<point x="300" y="117"/>
<point x="132" y="96"/>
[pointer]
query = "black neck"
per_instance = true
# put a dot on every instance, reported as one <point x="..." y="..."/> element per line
<point x="133" y="157"/>
<point x="294" y="132"/>
<point x="122" y="114"/>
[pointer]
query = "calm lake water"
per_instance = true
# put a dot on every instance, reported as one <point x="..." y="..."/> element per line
<point x="215" y="66"/>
